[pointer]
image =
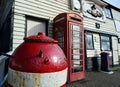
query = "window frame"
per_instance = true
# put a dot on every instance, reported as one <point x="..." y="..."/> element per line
<point x="92" y="47"/>
<point x="106" y="42"/>
<point x="108" y="12"/>
<point x="32" y="18"/>
<point x="117" y="24"/>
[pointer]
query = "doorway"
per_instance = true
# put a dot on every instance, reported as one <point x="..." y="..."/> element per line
<point x="35" y="25"/>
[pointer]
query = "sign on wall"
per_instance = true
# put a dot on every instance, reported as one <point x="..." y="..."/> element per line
<point x="76" y="5"/>
<point x="92" y="10"/>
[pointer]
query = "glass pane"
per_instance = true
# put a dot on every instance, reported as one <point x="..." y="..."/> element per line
<point x="76" y="34"/>
<point x="105" y="43"/>
<point x="76" y="63"/>
<point x="75" y="45"/>
<point x="76" y="57"/>
<point x="89" y="42"/>
<point x="60" y="44"/>
<point x="76" y="39"/>
<point x="108" y="12"/>
<point x="105" y="46"/>
<point x="76" y="51"/>
<point x="75" y="27"/>
<point x="60" y="39"/>
<point x="60" y="36"/>
<point x="105" y="38"/>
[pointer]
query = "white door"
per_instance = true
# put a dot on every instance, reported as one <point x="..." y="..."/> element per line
<point x="115" y="50"/>
<point x="33" y="27"/>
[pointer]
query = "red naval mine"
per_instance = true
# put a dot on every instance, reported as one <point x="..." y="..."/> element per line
<point x="38" y="62"/>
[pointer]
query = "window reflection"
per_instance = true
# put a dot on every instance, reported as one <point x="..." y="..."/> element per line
<point x="105" y="43"/>
<point x="89" y="41"/>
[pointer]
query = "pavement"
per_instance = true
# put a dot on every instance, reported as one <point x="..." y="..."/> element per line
<point x="99" y="79"/>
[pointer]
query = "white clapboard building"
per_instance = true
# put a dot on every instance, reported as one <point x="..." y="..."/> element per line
<point x="22" y="18"/>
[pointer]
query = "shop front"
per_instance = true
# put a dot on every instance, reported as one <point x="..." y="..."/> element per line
<point x="97" y="43"/>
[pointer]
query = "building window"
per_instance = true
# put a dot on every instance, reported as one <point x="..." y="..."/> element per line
<point x="89" y="41"/>
<point x="108" y="12"/>
<point x="35" y="25"/>
<point x="117" y="24"/>
<point x="105" y="43"/>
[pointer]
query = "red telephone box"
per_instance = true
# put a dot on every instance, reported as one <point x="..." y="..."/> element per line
<point x="68" y="30"/>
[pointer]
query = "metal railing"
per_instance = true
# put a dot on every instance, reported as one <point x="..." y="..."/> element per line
<point x="3" y="70"/>
<point x="4" y="60"/>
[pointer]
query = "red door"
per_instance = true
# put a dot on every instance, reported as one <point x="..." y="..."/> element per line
<point x="76" y="49"/>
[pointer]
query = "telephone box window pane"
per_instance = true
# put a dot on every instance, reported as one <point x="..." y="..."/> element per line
<point x="76" y="63"/>
<point x="76" y="33"/>
<point x="76" y="51"/>
<point x="76" y="57"/>
<point x="76" y="28"/>
<point x="76" y="66"/>
<point x="76" y="39"/>
<point x="76" y="45"/>
<point x="60" y="39"/>
<point x="78" y="69"/>
<point x="60" y="36"/>
<point x="61" y="45"/>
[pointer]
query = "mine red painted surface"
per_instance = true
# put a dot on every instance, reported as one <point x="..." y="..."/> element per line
<point x="38" y="54"/>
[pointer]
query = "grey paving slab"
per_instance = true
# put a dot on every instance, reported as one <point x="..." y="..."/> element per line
<point x="98" y="79"/>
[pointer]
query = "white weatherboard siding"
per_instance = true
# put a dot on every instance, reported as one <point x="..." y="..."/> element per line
<point x="18" y="30"/>
<point x="106" y="26"/>
<point x="116" y="14"/>
<point x="96" y="39"/>
<point x="46" y="9"/>
<point x="115" y="50"/>
<point x="119" y="51"/>
<point x="116" y="17"/>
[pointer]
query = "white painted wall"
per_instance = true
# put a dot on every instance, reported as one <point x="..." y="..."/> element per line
<point x="46" y="9"/>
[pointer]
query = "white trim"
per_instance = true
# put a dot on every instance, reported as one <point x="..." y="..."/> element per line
<point x="23" y="79"/>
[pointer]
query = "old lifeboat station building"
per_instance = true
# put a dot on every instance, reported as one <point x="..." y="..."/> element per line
<point x="83" y="28"/>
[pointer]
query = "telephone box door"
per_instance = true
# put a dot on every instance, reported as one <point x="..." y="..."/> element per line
<point x="76" y="43"/>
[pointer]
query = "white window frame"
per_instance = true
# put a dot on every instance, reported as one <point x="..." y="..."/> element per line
<point x="105" y="43"/>
<point x="108" y="12"/>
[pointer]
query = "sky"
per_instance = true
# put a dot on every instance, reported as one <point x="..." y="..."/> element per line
<point x="115" y="3"/>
